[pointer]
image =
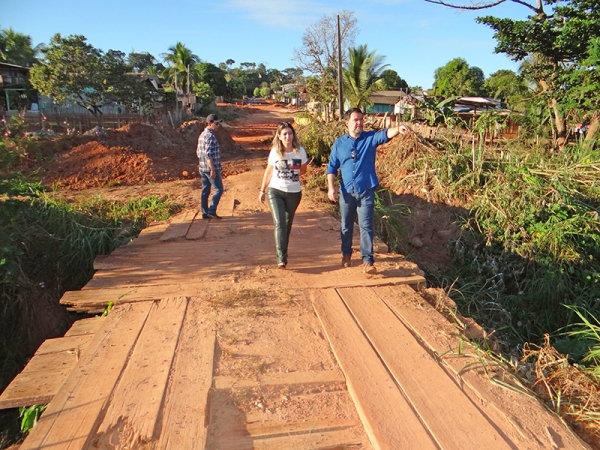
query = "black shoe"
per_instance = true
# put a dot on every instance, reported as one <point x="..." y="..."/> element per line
<point x="204" y="216"/>
<point x="213" y="216"/>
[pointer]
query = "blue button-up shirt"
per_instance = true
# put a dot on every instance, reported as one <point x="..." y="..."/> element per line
<point x="358" y="173"/>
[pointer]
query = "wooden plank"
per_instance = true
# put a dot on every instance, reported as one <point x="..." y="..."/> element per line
<point x="310" y="425"/>
<point x="39" y="381"/>
<point x="387" y="417"/>
<point x="85" y="326"/>
<point x="72" y="344"/>
<point x="73" y="414"/>
<point x="48" y="369"/>
<point x="420" y="377"/>
<point x="93" y="300"/>
<point x="504" y="407"/>
<point x="185" y="413"/>
<point x="179" y="226"/>
<point x="198" y="228"/>
<point x="344" y="438"/>
<point x="281" y="379"/>
<point x="133" y="414"/>
<point x="325" y="282"/>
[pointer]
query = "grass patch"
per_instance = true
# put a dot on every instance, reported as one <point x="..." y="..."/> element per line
<point x="242" y="298"/>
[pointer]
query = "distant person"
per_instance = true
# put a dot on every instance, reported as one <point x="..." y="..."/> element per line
<point x="209" y="154"/>
<point x="354" y="156"/>
<point x="281" y="185"/>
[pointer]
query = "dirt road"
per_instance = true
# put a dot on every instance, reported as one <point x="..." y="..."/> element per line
<point x="209" y="342"/>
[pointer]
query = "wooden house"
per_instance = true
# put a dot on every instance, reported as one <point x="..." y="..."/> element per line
<point x="14" y="95"/>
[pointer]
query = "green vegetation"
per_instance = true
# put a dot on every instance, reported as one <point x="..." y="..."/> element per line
<point x="317" y="138"/>
<point x="29" y="416"/>
<point x="362" y="76"/>
<point x="526" y="264"/>
<point x="532" y="240"/>
<point x="48" y="247"/>
<point x="71" y="69"/>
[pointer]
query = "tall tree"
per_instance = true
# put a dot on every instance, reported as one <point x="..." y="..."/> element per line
<point x="71" y="69"/>
<point x="213" y="76"/>
<point x="362" y="77"/>
<point x="181" y="62"/>
<point x="560" y="37"/>
<point x="319" y="49"/>
<point x="144" y="62"/>
<point x="323" y="89"/>
<point x="292" y="75"/>
<point x="392" y="80"/>
<point x="583" y="95"/>
<point x="16" y="48"/>
<point x="509" y="87"/>
<point x="235" y="89"/>
<point x="457" y="78"/>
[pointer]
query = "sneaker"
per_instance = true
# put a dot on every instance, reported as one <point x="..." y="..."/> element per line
<point x="281" y="265"/>
<point x="369" y="268"/>
<point x="213" y="216"/>
<point x="346" y="262"/>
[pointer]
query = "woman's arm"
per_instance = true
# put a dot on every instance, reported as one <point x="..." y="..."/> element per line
<point x="265" y="182"/>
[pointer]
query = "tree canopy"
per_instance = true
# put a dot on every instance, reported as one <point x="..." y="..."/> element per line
<point x="16" y="48"/>
<point x="213" y="76"/>
<point x="72" y="69"/>
<point x="391" y="80"/>
<point x="557" y="42"/>
<point x="458" y="79"/>
<point x="181" y="69"/>
<point x="362" y="76"/>
<point x="320" y="42"/>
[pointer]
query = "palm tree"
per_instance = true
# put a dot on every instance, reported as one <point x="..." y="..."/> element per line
<point x="362" y="76"/>
<point x="16" y="48"/>
<point x="182" y="62"/>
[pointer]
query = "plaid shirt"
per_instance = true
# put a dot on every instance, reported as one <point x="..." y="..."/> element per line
<point x="208" y="147"/>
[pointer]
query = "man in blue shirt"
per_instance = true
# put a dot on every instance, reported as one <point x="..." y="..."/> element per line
<point x="354" y="155"/>
<point x="209" y="156"/>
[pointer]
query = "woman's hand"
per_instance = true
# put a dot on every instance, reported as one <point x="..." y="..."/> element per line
<point x="261" y="197"/>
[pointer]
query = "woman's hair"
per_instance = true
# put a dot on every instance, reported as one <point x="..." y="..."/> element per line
<point x="279" y="148"/>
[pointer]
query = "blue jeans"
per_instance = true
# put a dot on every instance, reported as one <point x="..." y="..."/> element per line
<point x="363" y="205"/>
<point x="283" y="208"/>
<point x="217" y="185"/>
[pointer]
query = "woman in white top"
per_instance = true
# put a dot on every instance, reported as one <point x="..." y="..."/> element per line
<point x="281" y="185"/>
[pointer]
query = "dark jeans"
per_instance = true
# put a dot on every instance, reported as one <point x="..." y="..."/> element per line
<point x="217" y="185"/>
<point x="363" y="205"/>
<point x="283" y="207"/>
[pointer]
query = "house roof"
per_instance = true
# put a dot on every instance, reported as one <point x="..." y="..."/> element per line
<point x="387" y="97"/>
<point x="481" y="102"/>
<point x="13" y="66"/>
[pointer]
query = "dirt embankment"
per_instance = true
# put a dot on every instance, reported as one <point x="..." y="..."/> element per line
<point x="134" y="154"/>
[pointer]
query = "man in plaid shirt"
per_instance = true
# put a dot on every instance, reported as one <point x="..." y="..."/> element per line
<point x="209" y="154"/>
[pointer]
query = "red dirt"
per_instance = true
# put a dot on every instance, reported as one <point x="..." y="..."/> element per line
<point x="138" y="160"/>
<point x="132" y="155"/>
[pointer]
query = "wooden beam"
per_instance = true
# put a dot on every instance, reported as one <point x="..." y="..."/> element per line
<point x="388" y="418"/>
<point x="73" y="413"/>
<point x="427" y="386"/>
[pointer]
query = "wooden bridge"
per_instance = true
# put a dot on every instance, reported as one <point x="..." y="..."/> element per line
<point x="159" y="371"/>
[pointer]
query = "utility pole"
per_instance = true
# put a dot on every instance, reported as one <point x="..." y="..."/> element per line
<point x="341" y="94"/>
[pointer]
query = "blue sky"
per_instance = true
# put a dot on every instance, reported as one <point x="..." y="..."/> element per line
<point x="415" y="36"/>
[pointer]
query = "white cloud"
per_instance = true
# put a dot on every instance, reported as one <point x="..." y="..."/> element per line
<point x="297" y="14"/>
